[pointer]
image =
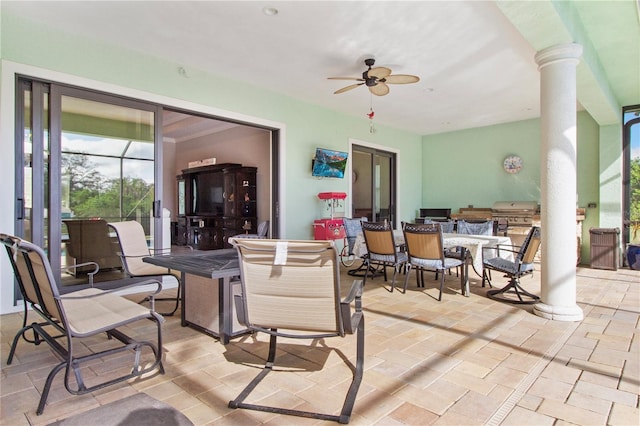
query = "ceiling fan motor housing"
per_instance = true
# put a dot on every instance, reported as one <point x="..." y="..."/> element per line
<point x="369" y="81"/>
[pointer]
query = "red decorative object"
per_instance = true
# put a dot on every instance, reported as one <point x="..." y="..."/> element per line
<point x="328" y="229"/>
<point x="332" y="195"/>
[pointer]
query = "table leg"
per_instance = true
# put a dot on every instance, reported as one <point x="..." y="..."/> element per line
<point x="225" y="319"/>
<point x="467" y="258"/>
<point x="183" y="276"/>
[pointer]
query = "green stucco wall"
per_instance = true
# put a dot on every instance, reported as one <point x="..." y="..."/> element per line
<point x="478" y="178"/>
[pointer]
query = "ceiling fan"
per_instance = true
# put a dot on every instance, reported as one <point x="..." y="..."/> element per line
<point x="376" y="79"/>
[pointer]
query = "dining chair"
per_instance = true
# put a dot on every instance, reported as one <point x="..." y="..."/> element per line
<point x="425" y="250"/>
<point x="469" y="228"/>
<point x="352" y="226"/>
<point x="68" y="320"/>
<point x="134" y="248"/>
<point x="475" y="228"/>
<point x="291" y="289"/>
<point x="382" y="250"/>
<point x="521" y="265"/>
<point x="448" y="226"/>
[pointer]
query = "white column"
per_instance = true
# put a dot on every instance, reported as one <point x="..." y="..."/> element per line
<point x="557" y="65"/>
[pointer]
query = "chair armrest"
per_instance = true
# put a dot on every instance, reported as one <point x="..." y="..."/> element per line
<point x="68" y="269"/>
<point x="351" y="321"/>
<point x="499" y="247"/>
<point x="158" y="289"/>
<point x="154" y="251"/>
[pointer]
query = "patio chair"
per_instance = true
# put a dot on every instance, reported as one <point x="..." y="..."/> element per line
<point x="291" y="289"/>
<point x="447" y="226"/>
<point x="475" y="228"/>
<point x="425" y="249"/>
<point x="89" y="241"/>
<point x="382" y="250"/>
<point x="77" y="315"/>
<point x="133" y="248"/>
<point x="352" y="227"/>
<point x="522" y="265"/>
<point x="469" y="228"/>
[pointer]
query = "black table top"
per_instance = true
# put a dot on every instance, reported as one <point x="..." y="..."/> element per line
<point x="210" y="264"/>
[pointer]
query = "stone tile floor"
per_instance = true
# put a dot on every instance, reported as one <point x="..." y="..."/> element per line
<point x="461" y="361"/>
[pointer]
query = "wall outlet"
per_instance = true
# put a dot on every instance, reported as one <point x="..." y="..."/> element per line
<point x="592" y="205"/>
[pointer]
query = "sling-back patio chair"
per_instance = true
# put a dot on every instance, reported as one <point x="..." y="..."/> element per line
<point x="291" y="289"/>
<point x="68" y="318"/>
<point x="522" y="265"/>
<point x="133" y="248"/>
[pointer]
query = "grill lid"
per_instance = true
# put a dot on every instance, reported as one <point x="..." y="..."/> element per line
<point x="529" y="207"/>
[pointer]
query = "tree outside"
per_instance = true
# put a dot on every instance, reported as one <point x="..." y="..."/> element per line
<point x="89" y="194"/>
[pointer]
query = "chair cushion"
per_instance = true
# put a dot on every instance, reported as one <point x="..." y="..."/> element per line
<point x="104" y="312"/>
<point x="435" y="263"/>
<point x="507" y="266"/>
<point x="401" y="256"/>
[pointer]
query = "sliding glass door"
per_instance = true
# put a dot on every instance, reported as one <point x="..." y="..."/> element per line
<point x="373" y="184"/>
<point x="86" y="159"/>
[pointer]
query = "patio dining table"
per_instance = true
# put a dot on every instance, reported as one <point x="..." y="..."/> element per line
<point x="475" y="244"/>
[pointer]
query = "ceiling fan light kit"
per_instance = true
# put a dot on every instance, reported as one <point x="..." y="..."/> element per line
<point x="376" y="79"/>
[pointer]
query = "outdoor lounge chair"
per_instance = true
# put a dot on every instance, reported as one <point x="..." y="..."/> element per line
<point x="69" y="318"/>
<point x="291" y="289"/>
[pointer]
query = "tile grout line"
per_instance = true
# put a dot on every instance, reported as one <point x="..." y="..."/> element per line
<point x="520" y="390"/>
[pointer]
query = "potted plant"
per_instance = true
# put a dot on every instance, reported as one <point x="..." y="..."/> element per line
<point x="633" y="248"/>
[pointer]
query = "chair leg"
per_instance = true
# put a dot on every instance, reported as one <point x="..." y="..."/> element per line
<point x="47" y="386"/>
<point x="515" y="288"/>
<point x="485" y="277"/>
<point x="441" y="285"/>
<point x="406" y="277"/>
<point x="393" y="280"/>
<point x="349" y="401"/>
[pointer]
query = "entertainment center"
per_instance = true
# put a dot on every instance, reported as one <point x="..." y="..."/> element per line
<point x="215" y="202"/>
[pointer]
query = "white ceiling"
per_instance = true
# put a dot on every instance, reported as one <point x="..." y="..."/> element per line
<point x="476" y="68"/>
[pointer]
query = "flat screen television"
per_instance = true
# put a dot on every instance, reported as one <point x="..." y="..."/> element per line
<point x="208" y="190"/>
<point x="329" y="163"/>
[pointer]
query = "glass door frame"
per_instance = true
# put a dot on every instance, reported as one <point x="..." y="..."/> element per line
<point x="626" y="169"/>
<point x="39" y="146"/>
<point x="377" y="152"/>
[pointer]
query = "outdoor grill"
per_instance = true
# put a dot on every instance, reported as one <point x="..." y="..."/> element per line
<point x="516" y="213"/>
<point x="517" y="217"/>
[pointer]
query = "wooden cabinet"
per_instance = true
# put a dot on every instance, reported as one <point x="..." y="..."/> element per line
<point x="217" y="202"/>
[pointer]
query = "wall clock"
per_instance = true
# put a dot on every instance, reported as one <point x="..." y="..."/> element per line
<point x="512" y="164"/>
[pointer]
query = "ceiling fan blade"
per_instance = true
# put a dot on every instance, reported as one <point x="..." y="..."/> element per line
<point x="379" y="89"/>
<point x="345" y="78"/>
<point x="379" y="72"/>
<point x="402" y="79"/>
<point x="347" y="88"/>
